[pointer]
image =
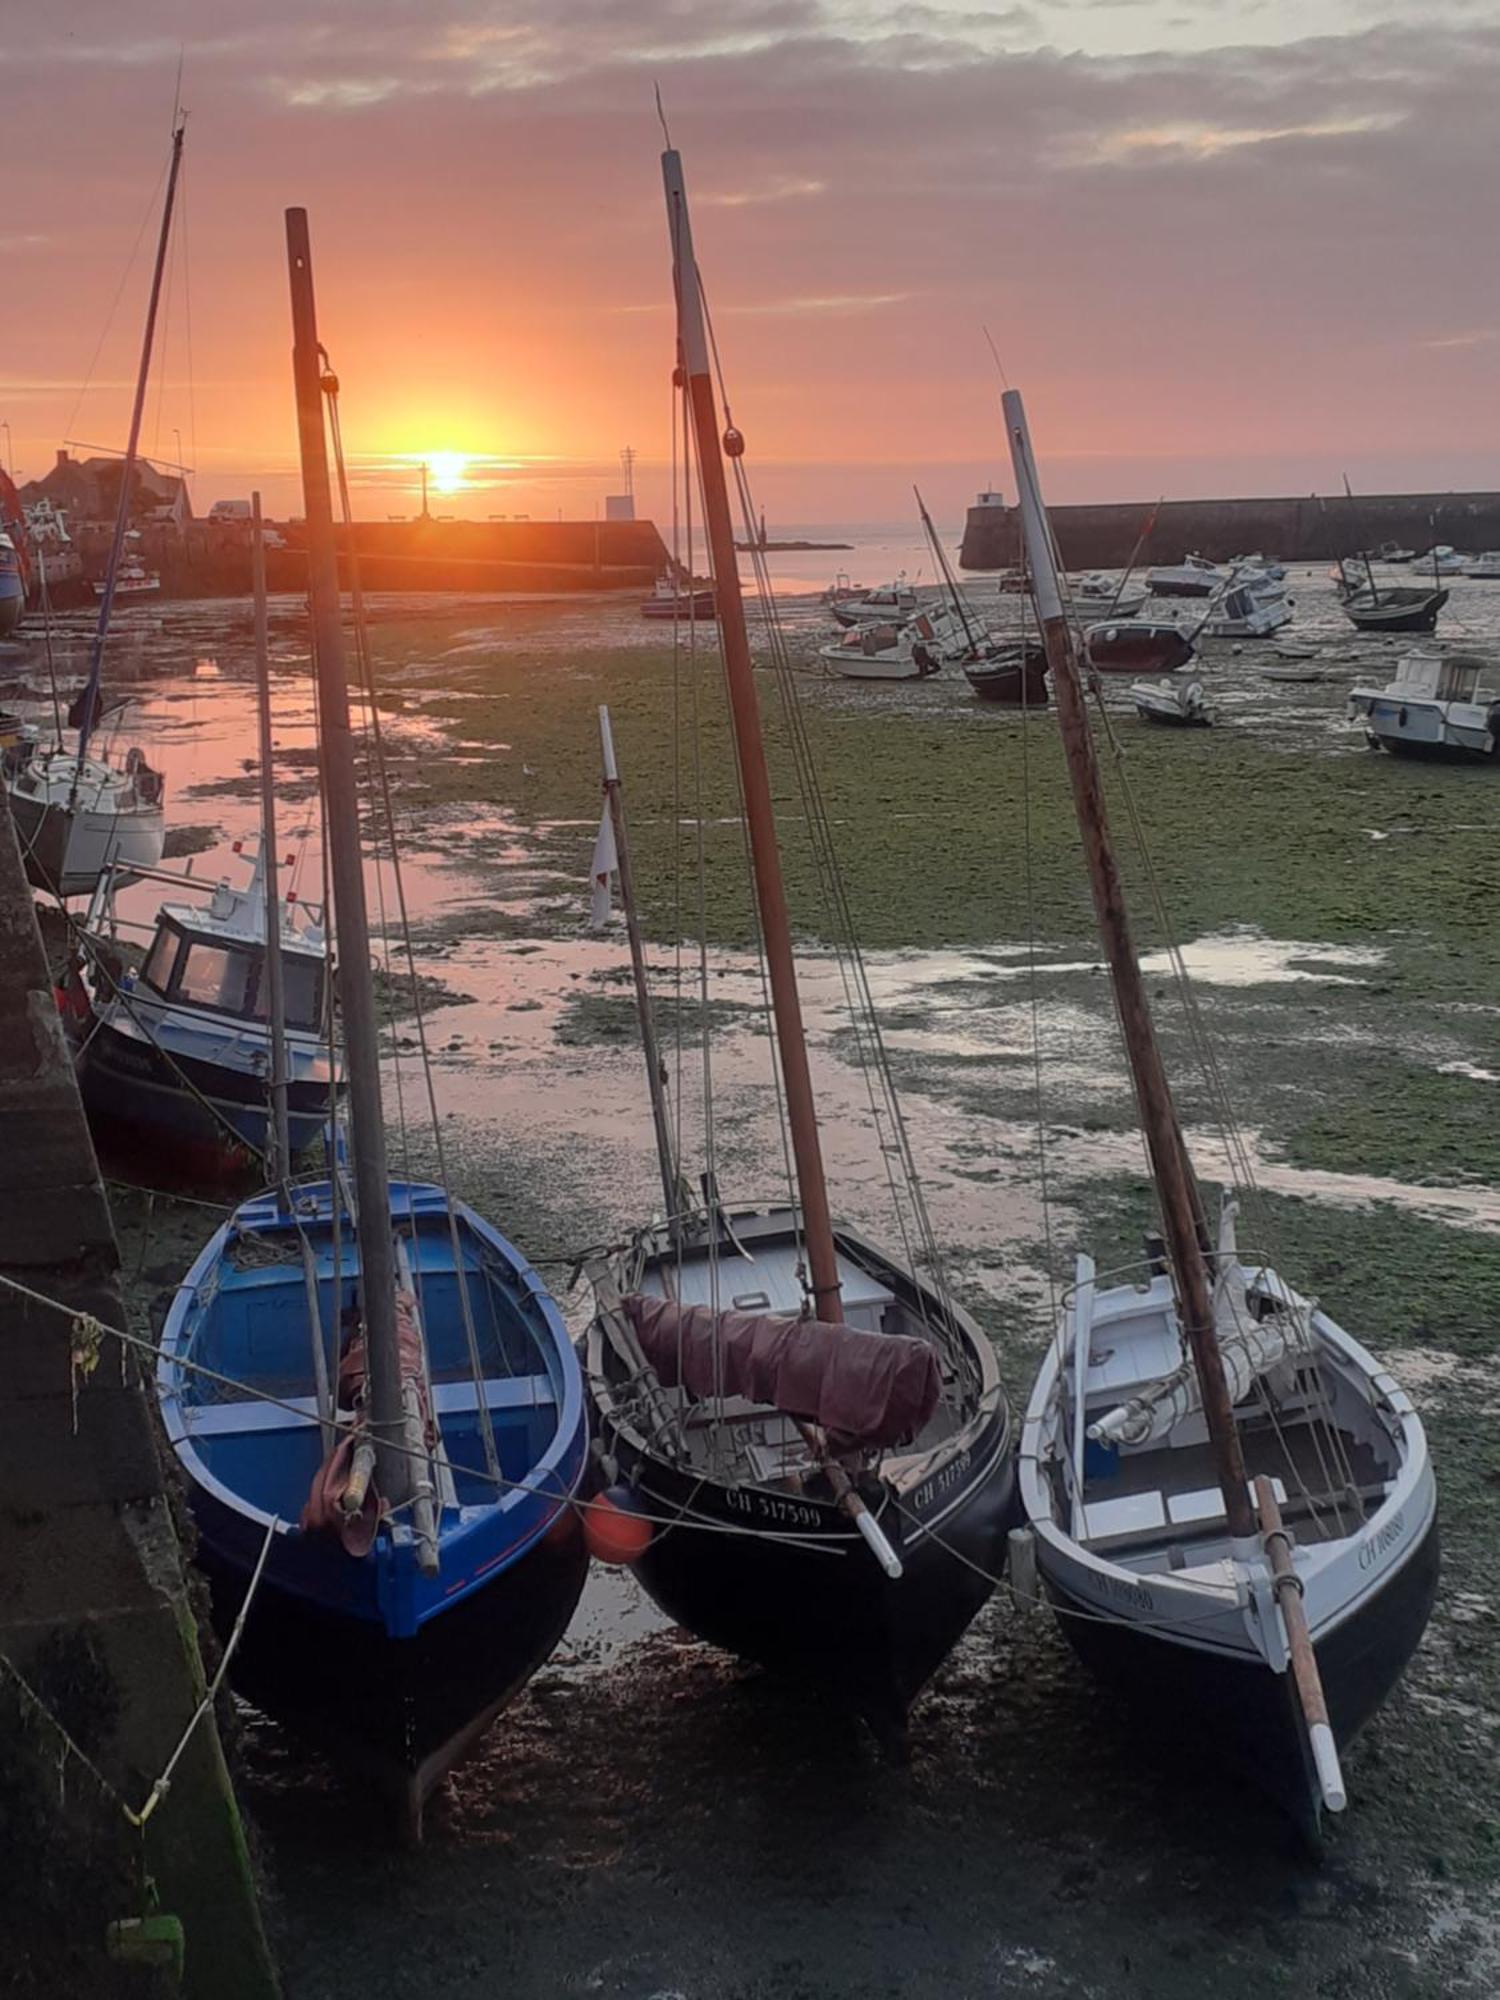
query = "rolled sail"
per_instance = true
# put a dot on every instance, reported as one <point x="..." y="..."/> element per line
<point x="862" y="1389"/>
<point x="1248" y="1353"/>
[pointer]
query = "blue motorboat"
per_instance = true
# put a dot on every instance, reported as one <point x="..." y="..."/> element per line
<point x="391" y="1665"/>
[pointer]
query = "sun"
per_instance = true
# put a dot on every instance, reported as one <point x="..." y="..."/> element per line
<point x="446" y="470"/>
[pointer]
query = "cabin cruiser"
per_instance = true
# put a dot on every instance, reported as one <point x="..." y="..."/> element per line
<point x="676" y="597"/>
<point x="1485" y="567"/>
<point x="1434" y="707"/>
<point x="906" y="652"/>
<point x="1115" y="596"/>
<point x="74" y="816"/>
<point x="1194" y="576"/>
<point x="179" y="1050"/>
<point x="1247" y="613"/>
<point x="132" y="579"/>
<point x="1444" y="560"/>
<point x="892" y="603"/>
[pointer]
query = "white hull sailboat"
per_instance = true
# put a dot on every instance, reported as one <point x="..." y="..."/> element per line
<point x="1230" y="1501"/>
<point x="77" y="814"/>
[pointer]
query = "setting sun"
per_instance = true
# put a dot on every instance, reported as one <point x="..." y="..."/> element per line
<point x="446" y="470"/>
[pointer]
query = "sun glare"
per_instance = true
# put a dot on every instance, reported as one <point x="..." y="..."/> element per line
<point x="446" y="470"/>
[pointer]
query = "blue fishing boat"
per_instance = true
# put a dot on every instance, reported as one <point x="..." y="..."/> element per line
<point x="390" y="1665"/>
<point x="372" y="1396"/>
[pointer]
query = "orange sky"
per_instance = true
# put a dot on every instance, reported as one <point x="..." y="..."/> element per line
<point x="1222" y="250"/>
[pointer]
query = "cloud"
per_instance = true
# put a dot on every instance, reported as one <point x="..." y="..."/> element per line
<point x="1480" y="337"/>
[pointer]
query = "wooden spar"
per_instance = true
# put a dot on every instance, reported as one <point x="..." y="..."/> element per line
<point x="377" y="1261"/>
<point x="677" y="1198"/>
<point x="1169" y="1162"/>
<point x="122" y="512"/>
<point x="939" y="556"/>
<point x="750" y="750"/>
<point x="279" y="1152"/>
<point x="1306" y="1678"/>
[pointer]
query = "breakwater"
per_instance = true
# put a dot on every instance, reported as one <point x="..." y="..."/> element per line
<point x="1311" y="529"/>
<point x="210" y="559"/>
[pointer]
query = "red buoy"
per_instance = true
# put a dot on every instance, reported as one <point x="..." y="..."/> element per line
<point x="614" y="1527"/>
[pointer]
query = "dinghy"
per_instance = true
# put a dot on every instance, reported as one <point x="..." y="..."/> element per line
<point x="1176" y="704"/>
<point x="818" y="1435"/>
<point x="385" y="1456"/>
<point x="1230" y="1500"/>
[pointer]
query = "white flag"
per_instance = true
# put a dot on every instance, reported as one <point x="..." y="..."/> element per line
<point x="606" y="861"/>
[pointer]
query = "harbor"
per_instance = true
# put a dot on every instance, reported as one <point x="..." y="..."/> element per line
<point x="721" y="1281"/>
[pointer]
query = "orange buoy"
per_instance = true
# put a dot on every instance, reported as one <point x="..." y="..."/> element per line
<point x="614" y="1527"/>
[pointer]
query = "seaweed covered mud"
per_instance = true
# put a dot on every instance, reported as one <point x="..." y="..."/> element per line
<point x="653" y="1819"/>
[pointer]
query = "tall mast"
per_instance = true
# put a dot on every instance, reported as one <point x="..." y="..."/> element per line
<point x="279" y="1162"/>
<point x="122" y="512"/>
<point x="1164" y="1139"/>
<point x="377" y="1262"/>
<point x="750" y="751"/>
<point x="940" y="557"/>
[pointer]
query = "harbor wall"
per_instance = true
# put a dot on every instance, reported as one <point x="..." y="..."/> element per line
<point x="1311" y="529"/>
<point x="212" y="559"/>
<point x="97" y="1633"/>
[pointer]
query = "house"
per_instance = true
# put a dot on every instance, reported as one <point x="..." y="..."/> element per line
<point x="88" y="490"/>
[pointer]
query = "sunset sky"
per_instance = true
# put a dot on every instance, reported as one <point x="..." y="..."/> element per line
<point x="1224" y="248"/>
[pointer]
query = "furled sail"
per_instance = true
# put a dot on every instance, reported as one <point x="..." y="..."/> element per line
<point x="860" y="1388"/>
<point x="1251" y="1349"/>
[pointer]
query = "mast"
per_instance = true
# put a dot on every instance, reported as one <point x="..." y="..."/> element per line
<point x="650" y="1047"/>
<point x="750" y="750"/>
<point x="377" y="1260"/>
<point x="1164" y="1139"/>
<point x="939" y="556"/>
<point x="279" y="1160"/>
<point x="1364" y="549"/>
<point x="90" y="696"/>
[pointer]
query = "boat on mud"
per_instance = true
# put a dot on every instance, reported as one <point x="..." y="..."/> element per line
<point x="1435" y="707"/>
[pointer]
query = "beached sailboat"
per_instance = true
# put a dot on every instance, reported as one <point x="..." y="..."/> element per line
<point x="823" y="1430"/>
<point x="389" y="1451"/>
<point x="77" y="813"/>
<point x="1009" y="672"/>
<point x="1384" y="608"/>
<point x="1230" y="1500"/>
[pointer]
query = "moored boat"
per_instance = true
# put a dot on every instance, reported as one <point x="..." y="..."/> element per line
<point x="818" y="1439"/>
<point x="909" y="652"/>
<point x="674" y="598"/>
<point x="1014" y="675"/>
<point x="1177" y="704"/>
<point x="1406" y="608"/>
<point x="1434" y="708"/>
<point x="1230" y="1501"/>
<point x="132" y="579"/>
<point x="889" y="604"/>
<point x="12" y="586"/>
<point x="1194" y="576"/>
<point x="1137" y="646"/>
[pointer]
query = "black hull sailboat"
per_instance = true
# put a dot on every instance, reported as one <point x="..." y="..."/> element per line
<point x="1011" y="676"/>
<point x="771" y="1567"/>
<point x="1401" y="610"/>
<point x="813" y="1442"/>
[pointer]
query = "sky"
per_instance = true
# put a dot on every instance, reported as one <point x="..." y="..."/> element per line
<point x="1222" y="246"/>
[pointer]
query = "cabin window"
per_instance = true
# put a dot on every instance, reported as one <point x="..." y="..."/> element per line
<point x="157" y="970"/>
<point x="218" y="976"/>
<point x="302" y="988"/>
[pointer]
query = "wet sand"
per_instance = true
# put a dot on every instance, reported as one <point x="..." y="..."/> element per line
<point x="651" y="1819"/>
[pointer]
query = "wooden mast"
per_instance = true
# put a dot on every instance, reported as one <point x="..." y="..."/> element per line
<point x="749" y="746"/>
<point x="279" y="1152"/>
<point x="940" y="557"/>
<point x="1164" y="1139"/>
<point x="90" y="697"/>
<point x="377" y="1261"/>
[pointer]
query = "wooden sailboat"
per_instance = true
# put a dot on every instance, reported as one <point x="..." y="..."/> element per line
<point x="1012" y="673"/>
<point x="394" y="1433"/>
<point x="77" y="813"/>
<point x="1369" y="607"/>
<point x="1270" y="1618"/>
<point x="823" y="1431"/>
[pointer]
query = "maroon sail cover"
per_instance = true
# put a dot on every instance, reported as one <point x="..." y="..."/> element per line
<point x="861" y="1388"/>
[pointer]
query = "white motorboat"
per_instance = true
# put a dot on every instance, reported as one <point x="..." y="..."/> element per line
<point x="1247" y="613"/>
<point x="1434" y="707"/>
<point x="1444" y="560"/>
<point x="1097" y="592"/>
<point x="1194" y="576"/>
<point x="1179" y="704"/>
<point x="907" y="652"/>
<point x="892" y="603"/>
<point x="132" y="579"/>
<point x="1485" y="567"/>
<point x="1258" y="568"/>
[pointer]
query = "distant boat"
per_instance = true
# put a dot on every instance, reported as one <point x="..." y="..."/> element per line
<point x="1444" y="560"/>
<point x="891" y="602"/>
<point x="53" y="546"/>
<point x="908" y="652"/>
<point x="1194" y="576"/>
<point x="1137" y="646"/>
<point x="132" y="579"/>
<point x="842" y="591"/>
<point x="1392" y="552"/>
<point x="1118" y="598"/>
<point x="1407" y="608"/>
<point x="12" y="586"/>
<point x="672" y="598"/>
<point x="1433" y="708"/>
<point x="1485" y="568"/>
<point x="1245" y="613"/>
<point x="1177" y="704"/>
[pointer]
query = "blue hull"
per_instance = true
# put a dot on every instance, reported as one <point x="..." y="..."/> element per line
<point x="390" y="1672"/>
